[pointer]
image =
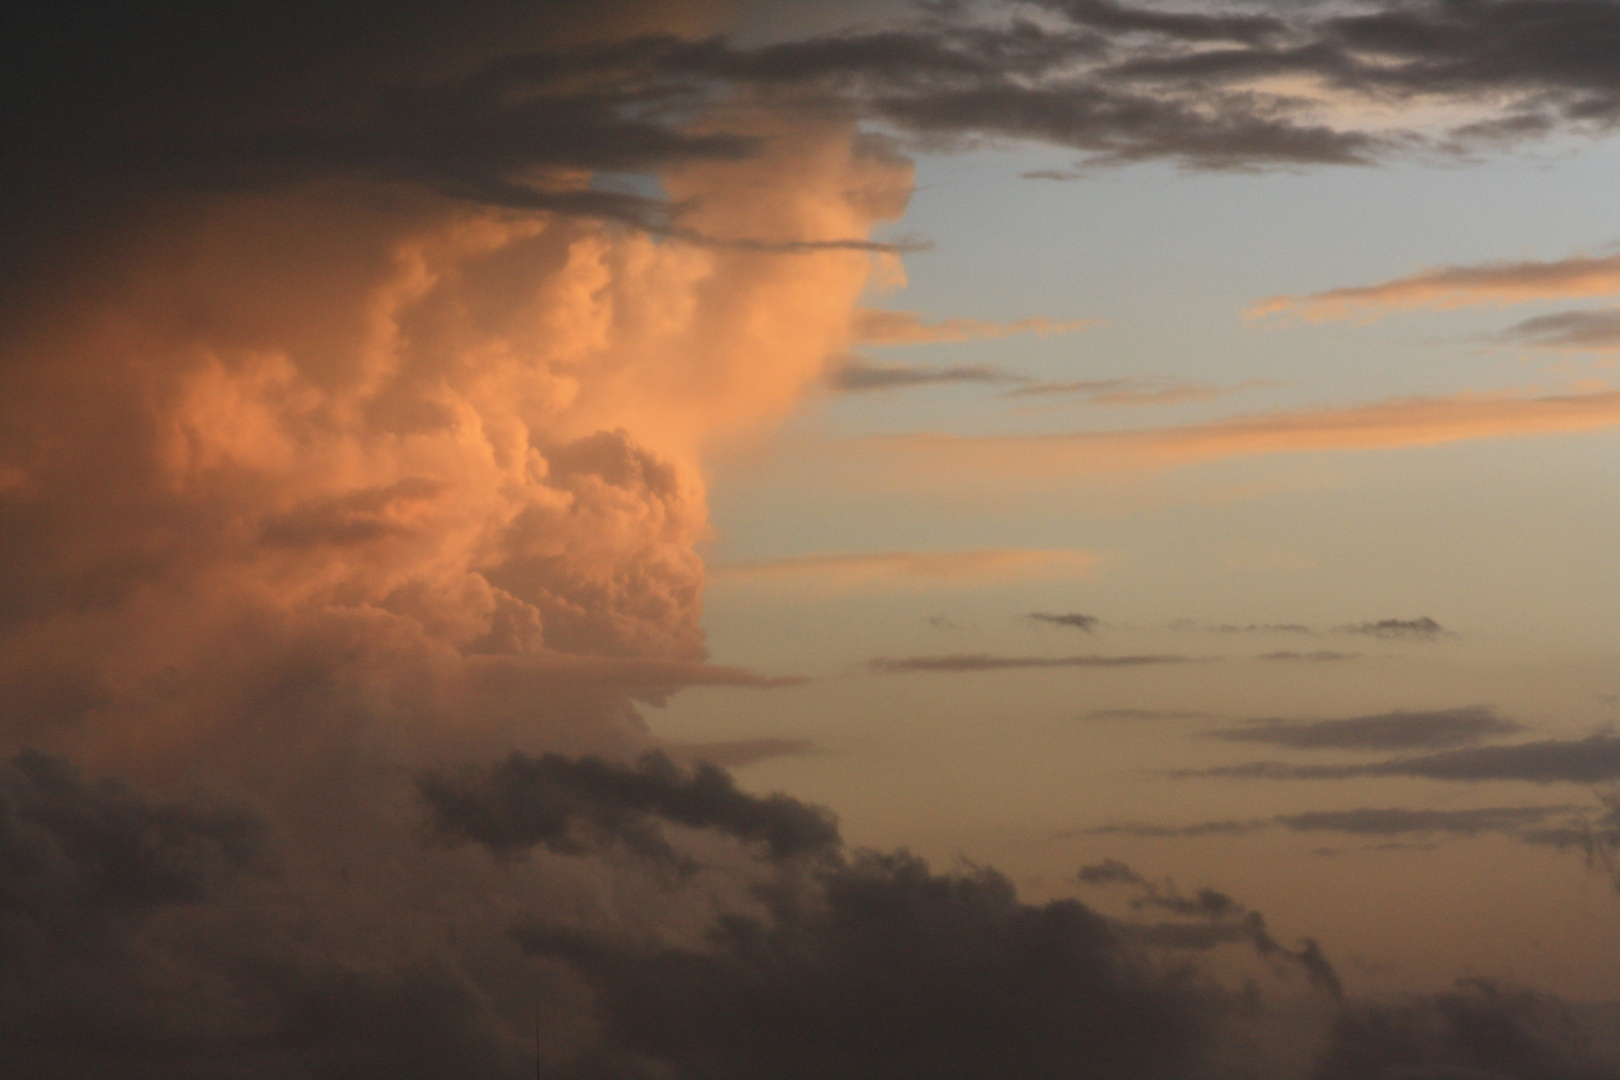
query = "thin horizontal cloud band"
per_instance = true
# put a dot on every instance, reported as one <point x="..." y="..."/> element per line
<point x="1396" y="423"/>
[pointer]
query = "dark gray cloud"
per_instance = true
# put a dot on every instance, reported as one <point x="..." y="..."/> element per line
<point x="1595" y="330"/>
<point x="1523" y="822"/>
<point x="1592" y="760"/>
<point x="566" y="804"/>
<point x="1477" y="1029"/>
<point x="113" y="107"/>
<point x="1087" y="623"/>
<point x="1185" y="26"/>
<point x="895" y="972"/>
<point x="986" y="662"/>
<point x="1109" y="872"/>
<point x="76" y="855"/>
<point x="1211" y="918"/>
<point x="1399" y="730"/>
<point x="861" y="375"/>
<point x="1422" y="628"/>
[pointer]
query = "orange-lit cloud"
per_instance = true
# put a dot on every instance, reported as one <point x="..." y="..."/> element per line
<point x="1400" y="422"/>
<point x="911" y="568"/>
<point x="874" y="327"/>
<point x="384" y="462"/>
<point x="1456" y="286"/>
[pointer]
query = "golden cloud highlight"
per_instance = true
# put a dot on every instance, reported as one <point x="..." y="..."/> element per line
<point x="1453" y="287"/>
<point x="1402" y="422"/>
<point x="352" y="464"/>
<point x="902" y="569"/>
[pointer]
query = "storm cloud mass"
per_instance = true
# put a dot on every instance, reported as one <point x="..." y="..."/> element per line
<point x="359" y="368"/>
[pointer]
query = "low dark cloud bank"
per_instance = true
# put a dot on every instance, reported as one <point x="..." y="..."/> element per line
<point x="208" y="959"/>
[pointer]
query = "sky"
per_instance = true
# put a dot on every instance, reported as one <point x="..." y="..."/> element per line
<point x="681" y="539"/>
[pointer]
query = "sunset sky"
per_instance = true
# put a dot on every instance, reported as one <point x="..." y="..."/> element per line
<point x="682" y="539"/>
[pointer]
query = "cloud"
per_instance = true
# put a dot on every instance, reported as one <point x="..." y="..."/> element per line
<point x="1576" y="331"/>
<point x="875" y="327"/>
<point x="913" y="567"/>
<point x="1319" y="656"/>
<point x="79" y="858"/>
<point x="1457" y="286"/>
<point x="1142" y="714"/>
<point x="1109" y="872"/>
<point x="1478" y="1028"/>
<point x="563" y="804"/>
<point x="1385" y="731"/>
<point x="1128" y="392"/>
<point x="858" y="375"/>
<point x="1086" y="623"/>
<point x="1592" y="760"/>
<point x="1515" y="821"/>
<point x="1401" y="422"/>
<point x="985" y="662"/>
<point x="1250" y="628"/>
<point x="1422" y="628"/>
<point x="517" y="105"/>
<point x="897" y="969"/>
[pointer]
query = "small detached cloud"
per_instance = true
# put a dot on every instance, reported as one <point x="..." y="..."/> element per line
<point x="1085" y="623"/>
<point x="960" y="662"/>
<point x="1399" y="730"/>
<point x="873" y="327"/>
<point x="858" y="376"/>
<point x="1110" y="872"/>
<point x="1321" y="655"/>
<point x="1571" y="331"/>
<point x="1421" y="628"/>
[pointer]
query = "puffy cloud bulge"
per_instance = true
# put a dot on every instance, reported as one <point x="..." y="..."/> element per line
<point x="368" y="448"/>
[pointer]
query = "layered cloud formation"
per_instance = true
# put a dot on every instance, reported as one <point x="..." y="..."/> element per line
<point x="354" y="396"/>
